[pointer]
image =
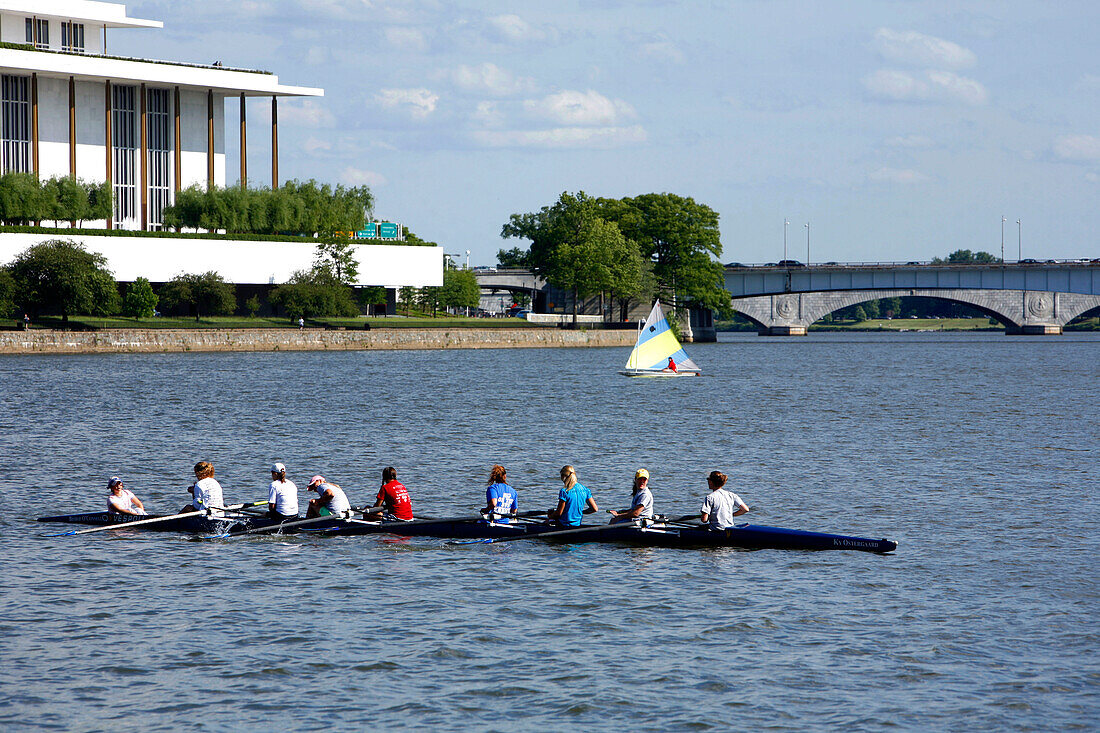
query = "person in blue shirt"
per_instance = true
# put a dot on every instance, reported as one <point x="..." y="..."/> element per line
<point x="574" y="500"/>
<point x="500" y="498"/>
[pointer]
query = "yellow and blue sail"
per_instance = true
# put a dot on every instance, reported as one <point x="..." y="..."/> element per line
<point x="656" y="344"/>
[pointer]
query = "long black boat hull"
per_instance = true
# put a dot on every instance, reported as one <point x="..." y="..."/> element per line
<point x="748" y="536"/>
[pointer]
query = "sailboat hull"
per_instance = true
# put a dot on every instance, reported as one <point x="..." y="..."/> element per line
<point x="658" y="373"/>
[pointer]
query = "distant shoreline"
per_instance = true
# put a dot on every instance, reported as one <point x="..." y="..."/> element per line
<point x="130" y="341"/>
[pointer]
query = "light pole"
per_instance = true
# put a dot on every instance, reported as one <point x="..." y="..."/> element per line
<point x="807" y="244"/>
<point x="467" y="259"/>
<point x="785" y="224"/>
<point x="1003" y="220"/>
<point x="1019" y="241"/>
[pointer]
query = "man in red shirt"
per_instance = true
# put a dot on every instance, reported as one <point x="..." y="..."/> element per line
<point x="394" y="496"/>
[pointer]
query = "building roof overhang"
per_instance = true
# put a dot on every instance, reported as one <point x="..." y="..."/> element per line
<point x="111" y="15"/>
<point x="137" y="71"/>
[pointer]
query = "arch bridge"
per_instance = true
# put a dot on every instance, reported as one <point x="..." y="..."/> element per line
<point x="1027" y="297"/>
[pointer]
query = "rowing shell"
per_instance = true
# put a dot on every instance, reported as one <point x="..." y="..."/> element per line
<point x="658" y="534"/>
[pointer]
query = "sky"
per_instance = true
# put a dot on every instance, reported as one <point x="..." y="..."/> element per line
<point x="899" y="130"/>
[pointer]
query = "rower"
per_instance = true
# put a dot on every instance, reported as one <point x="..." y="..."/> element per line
<point x="641" y="500"/>
<point x="394" y="497"/>
<point x="122" y="500"/>
<point x="206" y="492"/>
<point x="721" y="505"/>
<point x="573" y="500"/>
<point x="331" y="499"/>
<point x="500" y="499"/>
<point x="282" y="497"/>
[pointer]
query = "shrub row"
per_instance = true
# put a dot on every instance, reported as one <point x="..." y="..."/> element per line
<point x="25" y="199"/>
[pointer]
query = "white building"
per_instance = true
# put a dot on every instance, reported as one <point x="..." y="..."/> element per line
<point x="150" y="127"/>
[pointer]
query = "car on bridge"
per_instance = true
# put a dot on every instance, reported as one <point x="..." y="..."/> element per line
<point x="789" y="263"/>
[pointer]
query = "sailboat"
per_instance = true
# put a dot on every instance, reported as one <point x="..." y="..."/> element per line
<point x="658" y="352"/>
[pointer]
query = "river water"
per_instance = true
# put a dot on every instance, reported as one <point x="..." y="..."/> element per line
<point x="977" y="452"/>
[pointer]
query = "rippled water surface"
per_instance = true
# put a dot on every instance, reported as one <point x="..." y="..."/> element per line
<point x="978" y="453"/>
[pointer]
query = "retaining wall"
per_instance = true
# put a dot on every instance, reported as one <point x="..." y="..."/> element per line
<point x="270" y="339"/>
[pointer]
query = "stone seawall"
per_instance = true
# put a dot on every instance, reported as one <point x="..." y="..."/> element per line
<point x="124" y="341"/>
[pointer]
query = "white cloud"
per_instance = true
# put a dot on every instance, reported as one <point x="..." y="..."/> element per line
<point x="662" y="51"/>
<point x="514" y="29"/>
<point x="580" y="108"/>
<point x="917" y="49"/>
<point x="910" y="141"/>
<point x="359" y="177"/>
<point x="927" y="86"/>
<point x="489" y="114"/>
<point x="491" y="79"/>
<point x="897" y="175"/>
<point x="1092" y="177"/>
<point x="562" y="137"/>
<point x="308" y="113"/>
<point x="1077" y="147"/>
<point x="315" y="145"/>
<point x="417" y="103"/>
<point x="407" y="38"/>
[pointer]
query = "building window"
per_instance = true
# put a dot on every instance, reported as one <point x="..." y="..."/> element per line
<point x="72" y="36"/>
<point x="123" y="139"/>
<point x="157" y="141"/>
<point x="16" y="129"/>
<point x="38" y="32"/>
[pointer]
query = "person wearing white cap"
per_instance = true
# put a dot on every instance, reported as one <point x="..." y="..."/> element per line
<point x="641" y="500"/>
<point x="122" y="500"/>
<point x="330" y="500"/>
<point x="282" y="498"/>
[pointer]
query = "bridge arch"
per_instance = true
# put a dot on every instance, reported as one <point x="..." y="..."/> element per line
<point x="1021" y="311"/>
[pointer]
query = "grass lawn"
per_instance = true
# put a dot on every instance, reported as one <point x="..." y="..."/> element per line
<point x="97" y="323"/>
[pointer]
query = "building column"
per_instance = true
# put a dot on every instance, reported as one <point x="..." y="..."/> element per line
<point x="209" y="139"/>
<point x="72" y="127"/>
<point x="274" y="142"/>
<point x="109" y="146"/>
<point x="144" y="154"/>
<point x="177" y="146"/>
<point x="34" y="121"/>
<point x="244" y="148"/>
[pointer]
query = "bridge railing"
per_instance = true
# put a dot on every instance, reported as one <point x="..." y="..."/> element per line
<point x="1026" y="262"/>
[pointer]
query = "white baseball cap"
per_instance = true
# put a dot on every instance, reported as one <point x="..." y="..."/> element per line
<point x="277" y="468"/>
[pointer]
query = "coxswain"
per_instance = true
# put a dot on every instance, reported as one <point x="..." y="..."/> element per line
<point x="641" y="500"/>
<point x="671" y="365"/>
<point x="394" y="497"/>
<point x="122" y="500"/>
<point x="282" y="497"/>
<point x="500" y="499"/>
<point x="206" y="493"/>
<point x="331" y="499"/>
<point x="721" y="505"/>
<point x="574" y="500"/>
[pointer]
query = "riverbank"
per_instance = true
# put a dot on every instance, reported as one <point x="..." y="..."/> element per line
<point x="122" y="341"/>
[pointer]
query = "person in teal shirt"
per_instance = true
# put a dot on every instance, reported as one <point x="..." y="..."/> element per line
<point x="574" y="500"/>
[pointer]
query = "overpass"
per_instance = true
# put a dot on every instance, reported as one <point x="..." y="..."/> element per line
<point x="1028" y="297"/>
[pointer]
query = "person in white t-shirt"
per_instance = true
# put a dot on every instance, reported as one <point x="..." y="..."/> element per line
<point x="122" y="500"/>
<point x="641" y="500"/>
<point x="282" y="498"/>
<point x="721" y="505"/>
<point x="330" y="500"/>
<point x="206" y="492"/>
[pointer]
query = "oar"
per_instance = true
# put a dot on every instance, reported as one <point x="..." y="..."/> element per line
<point x="284" y="525"/>
<point x="121" y="525"/>
<point x="541" y="535"/>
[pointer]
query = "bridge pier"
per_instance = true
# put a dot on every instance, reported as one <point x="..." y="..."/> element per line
<point x="784" y="330"/>
<point x="1033" y="329"/>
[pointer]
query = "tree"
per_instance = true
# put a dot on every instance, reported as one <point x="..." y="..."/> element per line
<point x="23" y="199"/>
<point x="57" y="276"/>
<point x="202" y="293"/>
<point x="336" y="255"/>
<point x="588" y="263"/>
<point x="514" y="257"/>
<point x="7" y="293"/>
<point x="407" y="293"/>
<point x="140" y="300"/>
<point x="69" y="199"/>
<point x="252" y="306"/>
<point x="460" y="289"/>
<point x="427" y="299"/>
<point x="370" y="297"/>
<point x="859" y="314"/>
<point x="314" y="294"/>
<point x="965" y="257"/>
